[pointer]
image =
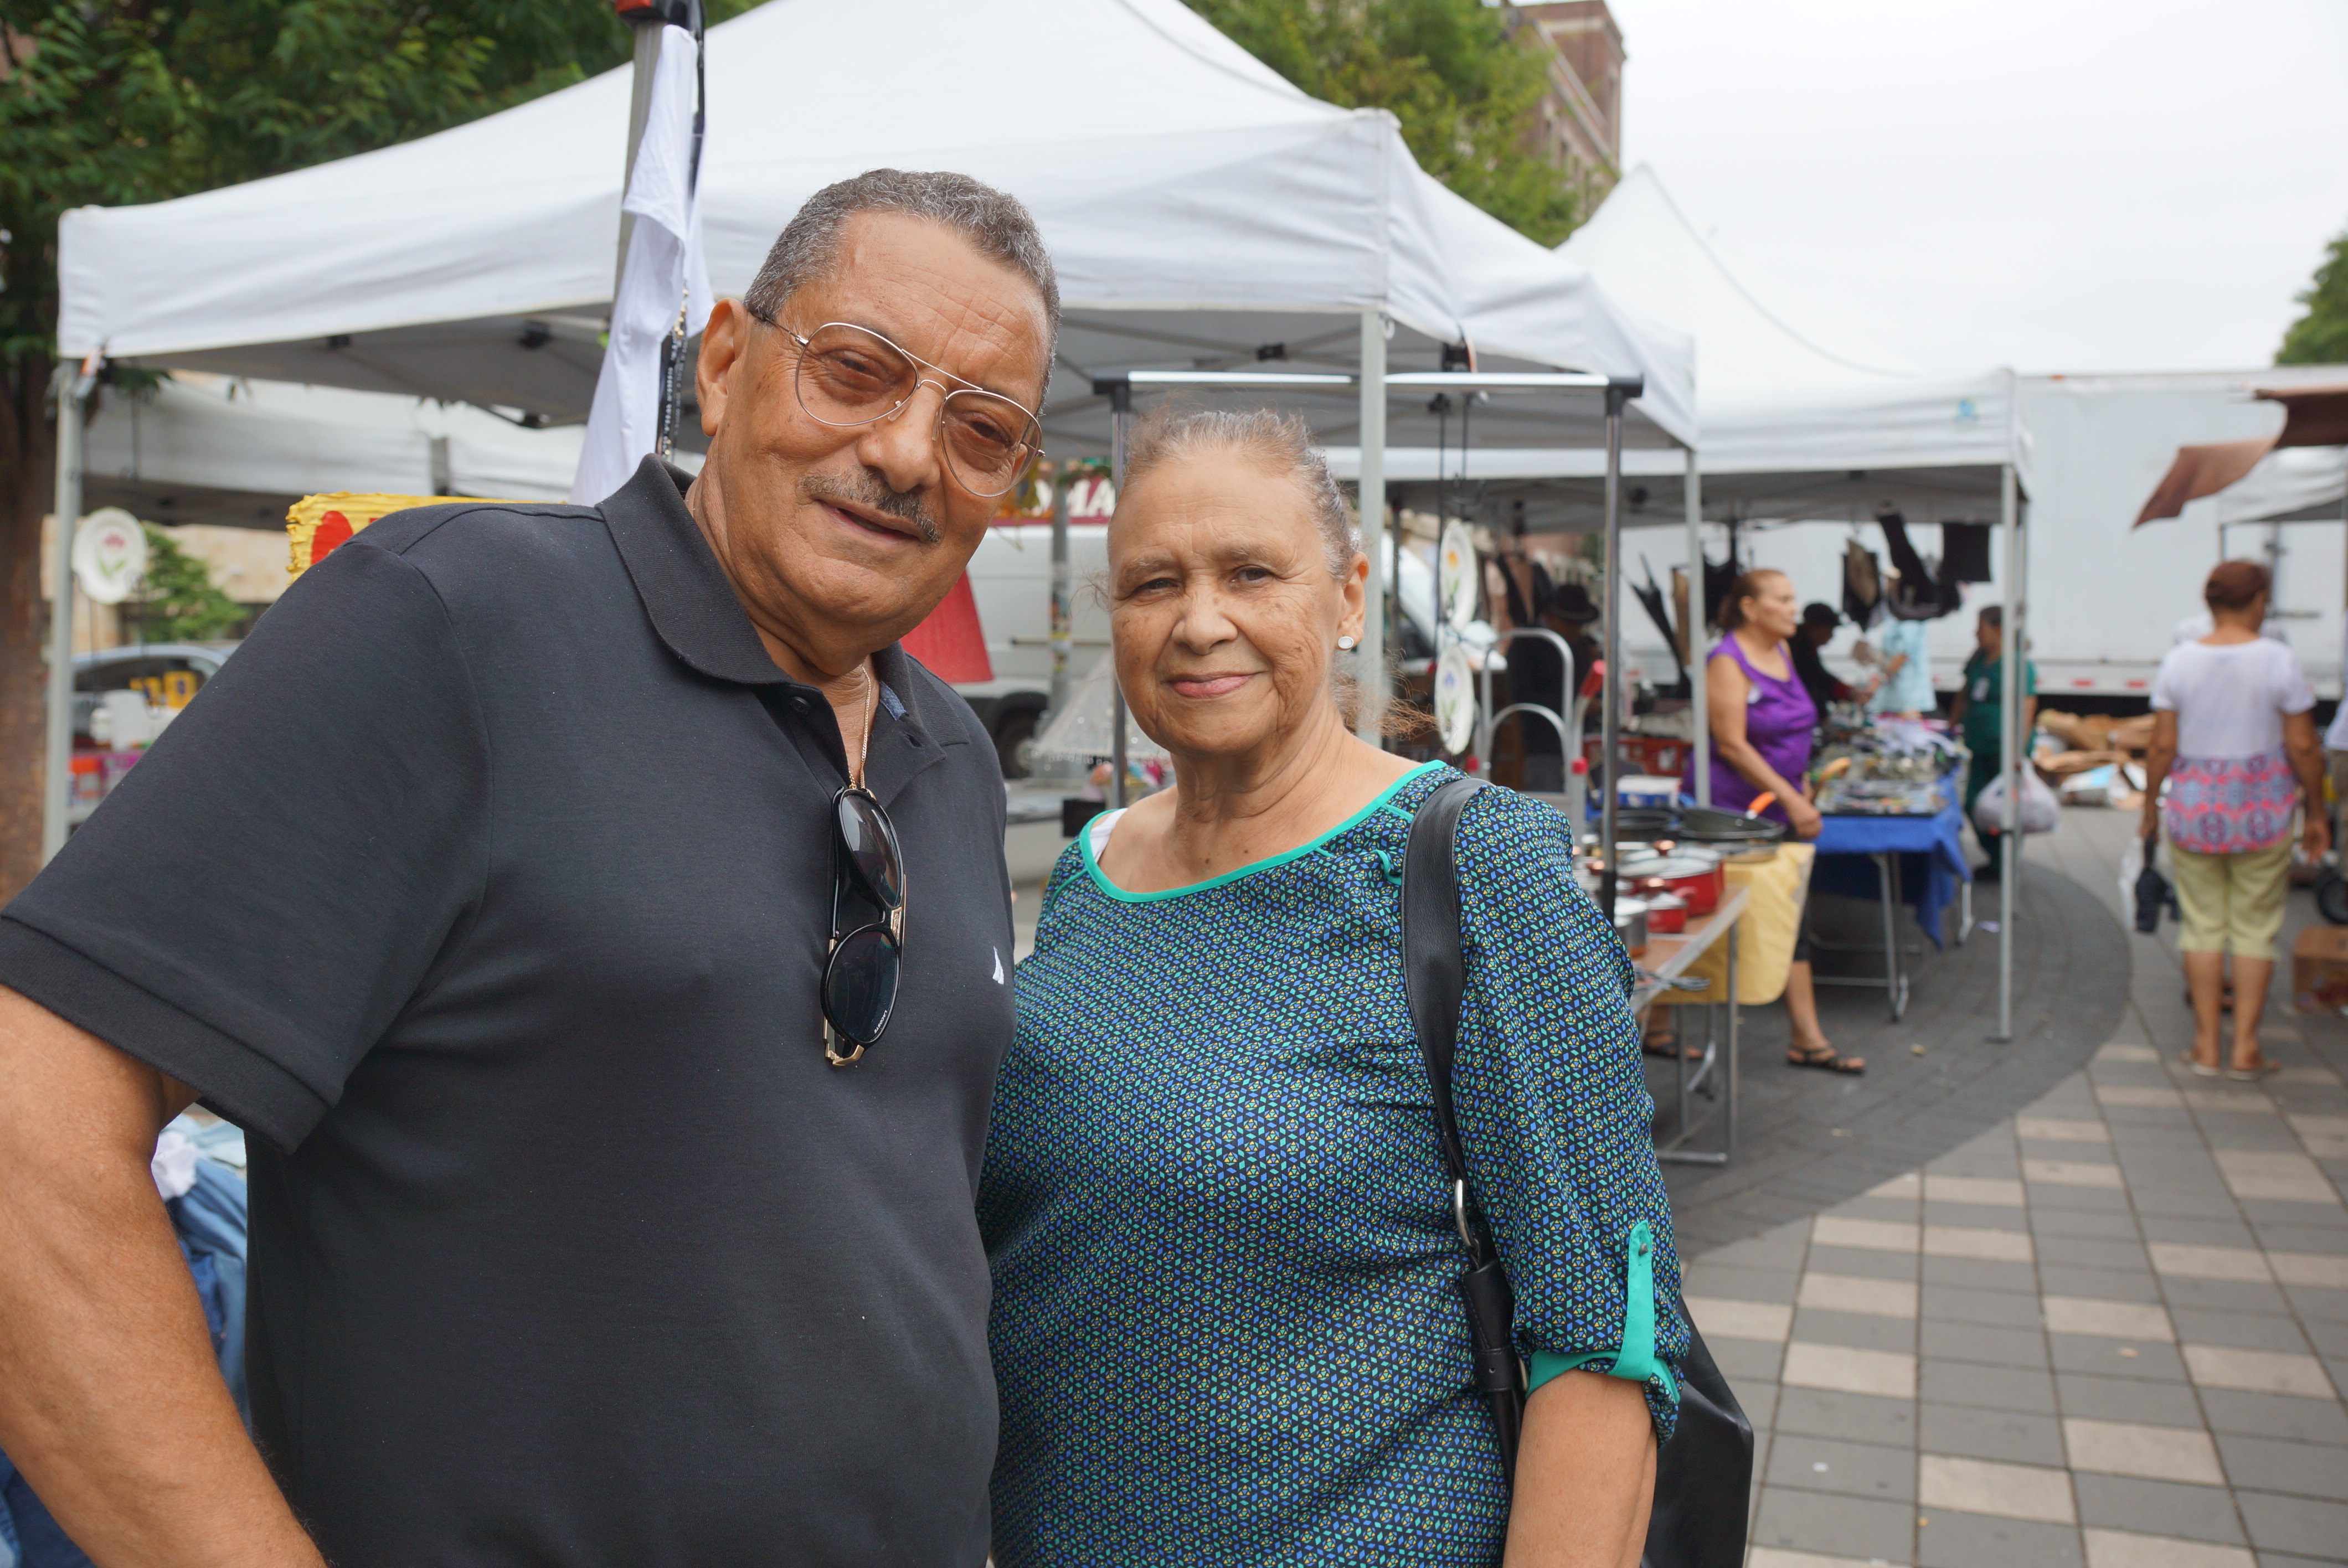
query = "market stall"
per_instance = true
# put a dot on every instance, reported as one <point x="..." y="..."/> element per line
<point x="1798" y="428"/>
<point x="1204" y="215"/>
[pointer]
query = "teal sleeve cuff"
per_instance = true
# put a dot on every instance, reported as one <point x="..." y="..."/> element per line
<point x="1636" y="1362"/>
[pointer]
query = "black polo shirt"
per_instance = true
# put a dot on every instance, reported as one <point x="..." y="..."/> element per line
<point x="489" y="883"/>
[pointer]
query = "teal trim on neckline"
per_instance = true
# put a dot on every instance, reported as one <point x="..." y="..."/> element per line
<point x="1636" y="1362"/>
<point x="1084" y="847"/>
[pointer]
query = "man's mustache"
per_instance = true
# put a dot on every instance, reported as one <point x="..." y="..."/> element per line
<point x="866" y="490"/>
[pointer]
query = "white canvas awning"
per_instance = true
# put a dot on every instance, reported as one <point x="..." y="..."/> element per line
<point x="1200" y="210"/>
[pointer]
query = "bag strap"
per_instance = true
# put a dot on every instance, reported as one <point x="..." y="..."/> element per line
<point x="1434" y="969"/>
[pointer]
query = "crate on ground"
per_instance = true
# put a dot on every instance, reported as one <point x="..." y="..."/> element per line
<point x="2318" y="969"/>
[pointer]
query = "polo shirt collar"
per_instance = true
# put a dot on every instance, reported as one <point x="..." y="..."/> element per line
<point x="691" y="605"/>
<point x="694" y="609"/>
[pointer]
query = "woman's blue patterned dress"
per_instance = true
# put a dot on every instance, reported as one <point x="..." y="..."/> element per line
<point x="1225" y="1329"/>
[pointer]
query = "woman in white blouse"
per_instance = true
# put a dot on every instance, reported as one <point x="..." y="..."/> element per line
<point x="2233" y="736"/>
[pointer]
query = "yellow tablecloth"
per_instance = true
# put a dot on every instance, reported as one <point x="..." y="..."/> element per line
<point x="1765" y="937"/>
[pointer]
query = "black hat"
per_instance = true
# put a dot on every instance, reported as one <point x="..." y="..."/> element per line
<point x="1821" y="615"/>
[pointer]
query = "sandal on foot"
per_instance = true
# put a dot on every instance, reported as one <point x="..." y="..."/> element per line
<point x="1828" y="1060"/>
<point x="2200" y="1069"/>
<point x="2260" y="1069"/>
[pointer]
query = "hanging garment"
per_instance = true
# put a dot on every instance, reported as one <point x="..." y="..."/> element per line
<point x="1862" y="586"/>
<point x="1920" y="596"/>
<point x="1964" y="552"/>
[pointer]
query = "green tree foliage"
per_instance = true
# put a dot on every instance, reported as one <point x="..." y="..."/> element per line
<point x="2320" y="336"/>
<point x="176" y="600"/>
<point x="117" y="101"/>
<point x="1463" y="85"/>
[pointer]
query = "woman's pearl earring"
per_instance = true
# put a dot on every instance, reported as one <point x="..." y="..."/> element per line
<point x="1346" y="643"/>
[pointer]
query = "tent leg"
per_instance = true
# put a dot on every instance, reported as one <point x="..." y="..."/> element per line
<point x="2010" y="740"/>
<point x="57" y="771"/>
<point x="1063" y="599"/>
<point x="1610" y="718"/>
<point x="1696" y="613"/>
<point x="1370" y="722"/>
<point x="1120" y="415"/>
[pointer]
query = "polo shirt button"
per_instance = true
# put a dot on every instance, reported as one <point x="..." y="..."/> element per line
<point x="799" y="704"/>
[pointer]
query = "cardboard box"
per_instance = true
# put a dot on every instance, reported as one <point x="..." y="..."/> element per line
<point x="2318" y="969"/>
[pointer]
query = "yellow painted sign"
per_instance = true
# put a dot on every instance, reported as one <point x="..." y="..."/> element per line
<point x="315" y="525"/>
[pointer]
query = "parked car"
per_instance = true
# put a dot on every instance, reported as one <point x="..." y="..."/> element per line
<point x="169" y="673"/>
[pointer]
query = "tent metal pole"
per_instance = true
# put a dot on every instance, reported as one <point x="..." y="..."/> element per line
<point x="1063" y="600"/>
<point x="56" y="765"/>
<point x="2010" y="745"/>
<point x="1610" y="718"/>
<point x="1693" y="631"/>
<point x="648" y="31"/>
<point x="1121" y="413"/>
<point x="1369" y="723"/>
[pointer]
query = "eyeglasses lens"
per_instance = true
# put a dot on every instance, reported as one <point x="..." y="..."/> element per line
<point x="860" y="984"/>
<point x="849" y="377"/>
<point x="869" y="849"/>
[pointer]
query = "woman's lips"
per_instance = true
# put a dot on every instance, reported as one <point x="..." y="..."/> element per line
<point x="1209" y="685"/>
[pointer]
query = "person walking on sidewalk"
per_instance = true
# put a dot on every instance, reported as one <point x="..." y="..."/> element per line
<point x="1979" y="713"/>
<point x="2234" y="735"/>
<point x="517" y="887"/>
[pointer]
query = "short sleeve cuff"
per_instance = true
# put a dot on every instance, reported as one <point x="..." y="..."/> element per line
<point x="232" y="1078"/>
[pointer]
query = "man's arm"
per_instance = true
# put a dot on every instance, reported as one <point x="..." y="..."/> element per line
<point x="1585" y="1475"/>
<point x="110" y="1402"/>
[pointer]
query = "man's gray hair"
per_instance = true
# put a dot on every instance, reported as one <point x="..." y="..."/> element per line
<point x="1279" y="444"/>
<point x="998" y="225"/>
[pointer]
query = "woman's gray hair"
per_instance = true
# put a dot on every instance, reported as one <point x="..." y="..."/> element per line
<point x="1279" y="444"/>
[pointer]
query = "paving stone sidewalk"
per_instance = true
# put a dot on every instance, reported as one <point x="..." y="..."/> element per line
<point x="2111" y="1331"/>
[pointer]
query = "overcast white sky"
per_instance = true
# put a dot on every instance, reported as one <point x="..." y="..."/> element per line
<point x="2052" y="185"/>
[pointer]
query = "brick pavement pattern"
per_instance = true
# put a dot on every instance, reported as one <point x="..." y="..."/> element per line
<point x="2110" y="1330"/>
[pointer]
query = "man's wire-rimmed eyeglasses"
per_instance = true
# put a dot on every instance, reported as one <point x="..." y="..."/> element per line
<point x="850" y="375"/>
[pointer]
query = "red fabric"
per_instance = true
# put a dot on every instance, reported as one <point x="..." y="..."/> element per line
<point x="951" y="642"/>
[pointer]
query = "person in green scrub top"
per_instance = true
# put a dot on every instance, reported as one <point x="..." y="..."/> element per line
<point x="1980" y="715"/>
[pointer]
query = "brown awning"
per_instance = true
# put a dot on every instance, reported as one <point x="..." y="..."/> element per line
<point x="2312" y="416"/>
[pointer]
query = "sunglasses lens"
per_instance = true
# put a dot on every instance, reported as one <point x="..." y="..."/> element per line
<point x="860" y="985"/>
<point x="869" y="846"/>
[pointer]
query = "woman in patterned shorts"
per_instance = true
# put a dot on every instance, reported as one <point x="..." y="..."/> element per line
<point x="1225" y="1324"/>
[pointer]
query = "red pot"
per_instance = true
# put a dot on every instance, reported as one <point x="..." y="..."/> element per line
<point x="1667" y="914"/>
<point x="1701" y="883"/>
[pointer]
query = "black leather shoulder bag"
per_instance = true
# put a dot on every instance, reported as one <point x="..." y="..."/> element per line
<point x="1703" y="1475"/>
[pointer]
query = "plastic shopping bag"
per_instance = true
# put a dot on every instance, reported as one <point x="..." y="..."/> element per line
<point x="2041" y="812"/>
<point x="2143" y="885"/>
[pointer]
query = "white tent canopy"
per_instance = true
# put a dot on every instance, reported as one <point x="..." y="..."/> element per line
<point x="210" y="448"/>
<point x="1798" y="421"/>
<point x="1169" y="171"/>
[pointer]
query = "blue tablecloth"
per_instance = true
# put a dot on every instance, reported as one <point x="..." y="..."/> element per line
<point x="1931" y="858"/>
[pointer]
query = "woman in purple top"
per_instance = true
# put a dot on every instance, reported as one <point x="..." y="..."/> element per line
<point x="1761" y="720"/>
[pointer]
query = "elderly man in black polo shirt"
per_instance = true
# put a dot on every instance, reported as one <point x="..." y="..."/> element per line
<point x="612" y="1177"/>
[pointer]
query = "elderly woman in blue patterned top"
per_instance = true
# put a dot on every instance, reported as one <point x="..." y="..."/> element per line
<point x="1225" y="1328"/>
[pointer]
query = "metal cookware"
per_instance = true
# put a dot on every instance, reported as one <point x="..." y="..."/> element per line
<point x="1667" y="914"/>
<point x="1630" y="923"/>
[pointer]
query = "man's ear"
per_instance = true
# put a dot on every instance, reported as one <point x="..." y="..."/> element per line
<point x="724" y="344"/>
